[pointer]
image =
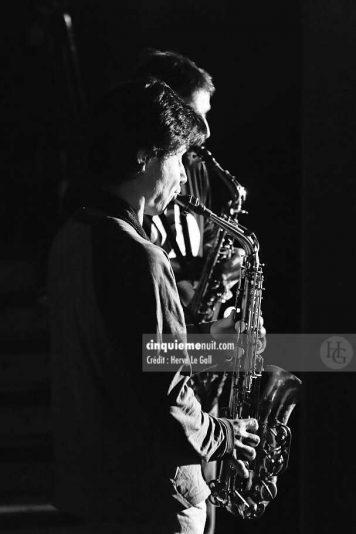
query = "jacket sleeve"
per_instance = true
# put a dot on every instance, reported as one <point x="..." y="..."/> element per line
<point x="209" y="437"/>
<point x="137" y="294"/>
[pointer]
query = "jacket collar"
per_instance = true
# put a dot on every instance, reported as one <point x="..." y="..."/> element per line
<point x="112" y="206"/>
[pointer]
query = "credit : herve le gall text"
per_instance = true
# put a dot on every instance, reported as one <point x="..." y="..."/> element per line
<point x="179" y="360"/>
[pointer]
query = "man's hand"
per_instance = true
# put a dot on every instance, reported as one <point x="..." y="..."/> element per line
<point x="225" y="326"/>
<point x="246" y="439"/>
<point x="232" y="267"/>
<point x="228" y="326"/>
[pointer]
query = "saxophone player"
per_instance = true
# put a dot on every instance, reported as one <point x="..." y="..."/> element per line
<point x="128" y="444"/>
<point x="188" y="240"/>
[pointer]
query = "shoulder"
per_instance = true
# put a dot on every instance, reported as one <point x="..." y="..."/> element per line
<point x="136" y="251"/>
<point x="155" y="259"/>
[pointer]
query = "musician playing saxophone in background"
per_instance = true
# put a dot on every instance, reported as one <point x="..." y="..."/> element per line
<point x="188" y="239"/>
<point x="191" y="235"/>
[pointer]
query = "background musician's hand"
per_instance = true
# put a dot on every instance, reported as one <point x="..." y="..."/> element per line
<point x="231" y="268"/>
<point x="246" y="439"/>
<point x="228" y="326"/>
<point x="261" y="337"/>
<point x="225" y="326"/>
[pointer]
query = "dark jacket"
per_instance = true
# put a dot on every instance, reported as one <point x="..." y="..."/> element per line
<point x="125" y="441"/>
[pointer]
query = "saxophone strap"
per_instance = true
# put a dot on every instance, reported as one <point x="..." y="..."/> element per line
<point x="188" y="245"/>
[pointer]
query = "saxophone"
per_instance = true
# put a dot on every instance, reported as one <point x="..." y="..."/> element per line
<point x="211" y="290"/>
<point x="272" y="407"/>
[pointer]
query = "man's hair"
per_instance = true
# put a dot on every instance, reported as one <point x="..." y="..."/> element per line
<point x="138" y="115"/>
<point x="179" y="72"/>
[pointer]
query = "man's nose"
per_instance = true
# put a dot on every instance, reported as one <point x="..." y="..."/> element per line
<point x="183" y="175"/>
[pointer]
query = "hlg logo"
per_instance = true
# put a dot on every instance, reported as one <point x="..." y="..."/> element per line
<point x="336" y="352"/>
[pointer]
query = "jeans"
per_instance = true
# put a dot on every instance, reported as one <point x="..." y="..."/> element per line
<point x="192" y="520"/>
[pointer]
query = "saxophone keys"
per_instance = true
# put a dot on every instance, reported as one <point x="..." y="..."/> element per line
<point x="268" y="490"/>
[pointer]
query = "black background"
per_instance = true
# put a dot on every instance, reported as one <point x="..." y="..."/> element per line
<point x="282" y="120"/>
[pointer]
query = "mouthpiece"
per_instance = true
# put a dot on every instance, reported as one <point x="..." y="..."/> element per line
<point x="191" y="203"/>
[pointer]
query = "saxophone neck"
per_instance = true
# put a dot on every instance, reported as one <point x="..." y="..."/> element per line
<point x="237" y="191"/>
<point x="247" y="239"/>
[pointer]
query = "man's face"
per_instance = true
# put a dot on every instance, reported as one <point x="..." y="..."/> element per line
<point x="200" y="102"/>
<point x="163" y="178"/>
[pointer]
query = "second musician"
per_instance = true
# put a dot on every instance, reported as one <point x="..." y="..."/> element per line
<point x="188" y="239"/>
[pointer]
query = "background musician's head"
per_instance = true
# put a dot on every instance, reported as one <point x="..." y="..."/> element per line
<point x="138" y="134"/>
<point x="192" y="83"/>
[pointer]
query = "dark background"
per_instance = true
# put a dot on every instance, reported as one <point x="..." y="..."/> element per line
<point x="283" y="121"/>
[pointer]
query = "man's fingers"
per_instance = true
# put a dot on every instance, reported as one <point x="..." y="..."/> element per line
<point x="251" y="439"/>
<point x="245" y="427"/>
<point x="244" y="452"/>
<point x="261" y="331"/>
<point x="240" y="326"/>
<point x="251" y="424"/>
<point x="241" y="469"/>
